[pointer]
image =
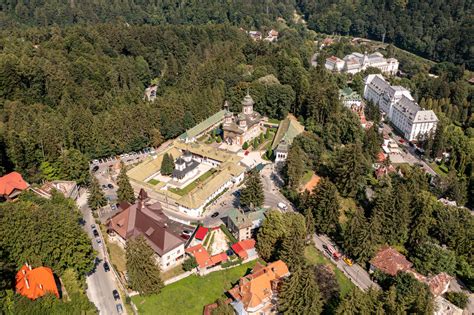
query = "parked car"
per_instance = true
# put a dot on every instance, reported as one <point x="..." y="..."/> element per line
<point x="96" y="234"/>
<point x="104" y="187"/>
<point x="110" y="186"/>
<point x="99" y="242"/>
<point x="187" y="232"/>
<point x="113" y="207"/>
<point x="282" y="206"/>
<point x="95" y="162"/>
<point x="116" y="295"/>
<point x="95" y="169"/>
<point x="92" y="226"/>
<point x="215" y="214"/>
<point x="106" y="266"/>
<point x="348" y="261"/>
<point x="119" y="308"/>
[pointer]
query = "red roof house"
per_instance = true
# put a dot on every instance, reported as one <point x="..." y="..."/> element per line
<point x="243" y="248"/>
<point x="201" y="233"/>
<point x="203" y="258"/>
<point x="390" y="261"/>
<point x="11" y="185"/>
<point x="34" y="283"/>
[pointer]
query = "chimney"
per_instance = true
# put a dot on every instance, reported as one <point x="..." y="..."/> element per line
<point x="41" y="286"/>
<point x="27" y="283"/>
<point x="165" y="225"/>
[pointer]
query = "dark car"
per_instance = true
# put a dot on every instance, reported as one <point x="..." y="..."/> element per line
<point x="185" y="236"/>
<point x="104" y="187"/>
<point x="96" y="234"/>
<point x="215" y="214"/>
<point x="106" y="266"/>
<point x="119" y="308"/>
<point x="116" y="295"/>
<point x="110" y="186"/>
<point x="95" y="168"/>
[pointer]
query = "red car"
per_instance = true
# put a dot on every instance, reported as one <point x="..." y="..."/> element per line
<point x="246" y="153"/>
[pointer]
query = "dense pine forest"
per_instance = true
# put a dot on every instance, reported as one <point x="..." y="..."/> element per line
<point x="72" y="80"/>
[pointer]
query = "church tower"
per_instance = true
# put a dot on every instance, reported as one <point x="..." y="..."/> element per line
<point x="247" y="104"/>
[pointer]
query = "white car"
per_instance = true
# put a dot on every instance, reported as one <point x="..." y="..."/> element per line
<point x="282" y="206"/>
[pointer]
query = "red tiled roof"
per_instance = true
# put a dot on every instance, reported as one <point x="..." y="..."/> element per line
<point x="10" y="182"/>
<point x="34" y="283"/>
<point x="390" y="261"/>
<point x="381" y="157"/>
<point x="203" y="258"/>
<point x="201" y="233"/>
<point x="240" y="248"/>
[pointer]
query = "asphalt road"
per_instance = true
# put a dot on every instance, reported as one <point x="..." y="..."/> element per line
<point x="410" y="156"/>
<point x="100" y="283"/>
<point x="355" y="273"/>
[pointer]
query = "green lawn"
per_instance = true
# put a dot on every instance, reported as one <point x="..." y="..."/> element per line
<point x="117" y="256"/>
<point x="192" y="185"/>
<point x="189" y="295"/>
<point x="314" y="257"/>
<point x="307" y="177"/>
<point x="153" y="182"/>
<point x="437" y="169"/>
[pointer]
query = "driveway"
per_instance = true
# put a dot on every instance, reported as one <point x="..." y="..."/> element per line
<point x="100" y="283"/>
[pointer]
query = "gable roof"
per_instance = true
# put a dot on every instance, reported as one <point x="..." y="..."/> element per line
<point x="11" y="182"/>
<point x="203" y="125"/>
<point x="241" y="247"/>
<point x="256" y="288"/>
<point x="34" y="283"/>
<point x="288" y="130"/>
<point x="390" y="261"/>
<point x="203" y="258"/>
<point x="149" y="221"/>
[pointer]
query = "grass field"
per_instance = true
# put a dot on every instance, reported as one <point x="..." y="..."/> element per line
<point x="153" y="181"/>
<point x="172" y="273"/>
<point x="192" y="185"/>
<point x="315" y="257"/>
<point x="117" y="256"/>
<point x="438" y="169"/>
<point x="189" y="295"/>
<point x="306" y="177"/>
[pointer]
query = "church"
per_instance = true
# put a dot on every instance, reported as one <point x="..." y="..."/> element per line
<point x="244" y="126"/>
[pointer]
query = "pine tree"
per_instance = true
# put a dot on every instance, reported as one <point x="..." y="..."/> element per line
<point x="325" y="205"/>
<point x="350" y="169"/>
<point x="292" y="247"/>
<point x="309" y="219"/>
<point x="125" y="190"/>
<point x="167" y="165"/>
<point x="295" y="167"/>
<point x="272" y="230"/>
<point x="359" y="240"/>
<point x="372" y="142"/>
<point x="143" y="273"/>
<point x="96" y="198"/>
<point x="252" y="194"/>
<point x="245" y="146"/>
<point x="300" y="294"/>
<point x="384" y="215"/>
<point x="402" y="218"/>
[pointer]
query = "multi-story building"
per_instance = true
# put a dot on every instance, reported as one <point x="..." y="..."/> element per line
<point x="357" y="62"/>
<point x="164" y="236"/>
<point x="244" y="126"/>
<point x="400" y="108"/>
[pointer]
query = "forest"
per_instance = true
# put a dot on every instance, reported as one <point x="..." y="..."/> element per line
<point x="436" y="29"/>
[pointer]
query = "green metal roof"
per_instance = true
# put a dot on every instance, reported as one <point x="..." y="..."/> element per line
<point x="203" y="125"/>
<point x="289" y="128"/>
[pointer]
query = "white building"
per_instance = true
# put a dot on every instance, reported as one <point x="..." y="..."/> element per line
<point x="357" y="62"/>
<point x="399" y="107"/>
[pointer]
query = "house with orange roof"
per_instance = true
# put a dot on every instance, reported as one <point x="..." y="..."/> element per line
<point x="203" y="258"/>
<point x="256" y="291"/>
<point x="11" y="185"/>
<point x="34" y="283"/>
<point x="245" y="249"/>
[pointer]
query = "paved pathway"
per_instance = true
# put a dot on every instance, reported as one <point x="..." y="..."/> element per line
<point x="100" y="283"/>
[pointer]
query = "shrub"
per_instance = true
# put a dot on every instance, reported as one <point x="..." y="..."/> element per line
<point x="190" y="264"/>
<point x="457" y="298"/>
<point x="245" y="146"/>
